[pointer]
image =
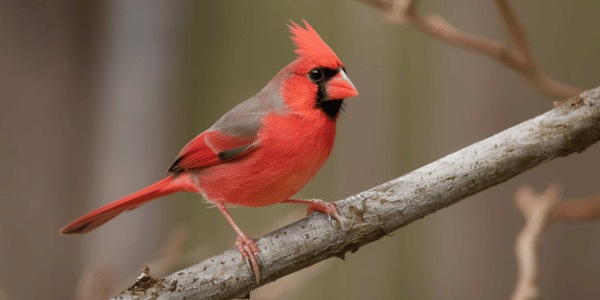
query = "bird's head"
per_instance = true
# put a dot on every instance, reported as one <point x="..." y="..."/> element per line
<point x="317" y="78"/>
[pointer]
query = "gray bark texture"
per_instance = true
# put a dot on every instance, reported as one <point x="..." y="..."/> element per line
<point x="572" y="126"/>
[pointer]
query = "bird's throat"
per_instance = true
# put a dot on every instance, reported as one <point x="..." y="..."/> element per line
<point x="330" y="107"/>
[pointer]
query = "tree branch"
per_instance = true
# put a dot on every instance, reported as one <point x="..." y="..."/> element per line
<point x="536" y="209"/>
<point x="519" y="59"/>
<point x="539" y="209"/>
<point x="571" y="127"/>
<point x="585" y="209"/>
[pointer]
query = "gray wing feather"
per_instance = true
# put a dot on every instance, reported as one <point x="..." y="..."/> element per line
<point x="245" y="119"/>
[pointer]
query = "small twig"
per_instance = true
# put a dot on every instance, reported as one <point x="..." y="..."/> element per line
<point x="515" y="31"/>
<point x="520" y="59"/>
<point x="577" y="209"/>
<point x="536" y="209"/>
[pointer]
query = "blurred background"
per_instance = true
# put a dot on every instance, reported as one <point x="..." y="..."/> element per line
<point x="98" y="97"/>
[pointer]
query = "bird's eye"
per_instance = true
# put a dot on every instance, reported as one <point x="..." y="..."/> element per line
<point x="316" y="75"/>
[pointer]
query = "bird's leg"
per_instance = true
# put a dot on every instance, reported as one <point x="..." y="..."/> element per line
<point x="319" y="205"/>
<point x="248" y="249"/>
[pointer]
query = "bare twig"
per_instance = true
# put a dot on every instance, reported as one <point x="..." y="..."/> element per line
<point x="571" y="127"/>
<point x="536" y="209"/>
<point x="515" y="31"/>
<point x="519" y="59"/>
<point x="577" y="209"/>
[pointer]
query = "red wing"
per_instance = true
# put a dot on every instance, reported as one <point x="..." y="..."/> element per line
<point x="211" y="148"/>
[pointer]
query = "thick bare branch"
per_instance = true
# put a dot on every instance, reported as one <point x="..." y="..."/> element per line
<point x="571" y="127"/>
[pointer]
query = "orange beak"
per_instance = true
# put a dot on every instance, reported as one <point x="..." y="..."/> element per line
<point x="340" y="87"/>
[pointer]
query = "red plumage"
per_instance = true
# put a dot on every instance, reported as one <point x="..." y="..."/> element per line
<point x="311" y="47"/>
<point x="168" y="185"/>
<point x="262" y="151"/>
<point x="203" y="151"/>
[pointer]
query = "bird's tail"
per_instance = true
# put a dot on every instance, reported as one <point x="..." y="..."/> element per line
<point x="170" y="184"/>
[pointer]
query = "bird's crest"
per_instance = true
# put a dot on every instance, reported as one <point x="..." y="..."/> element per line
<point x="309" y="45"/>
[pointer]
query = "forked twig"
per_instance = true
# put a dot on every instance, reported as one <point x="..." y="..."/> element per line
<point x="538" y="210"/>
<point x="519" y="58"/>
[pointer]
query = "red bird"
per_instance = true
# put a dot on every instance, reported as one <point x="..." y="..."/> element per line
<point x="262" y="151"/>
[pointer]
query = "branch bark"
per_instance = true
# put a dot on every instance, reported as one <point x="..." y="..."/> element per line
<point x="570" y="127"/>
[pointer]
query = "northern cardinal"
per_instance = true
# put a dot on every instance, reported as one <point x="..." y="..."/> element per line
<point x="262" y="151"/>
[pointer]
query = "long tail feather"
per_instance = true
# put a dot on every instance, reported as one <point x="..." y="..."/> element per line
<point x="166" y="186"/>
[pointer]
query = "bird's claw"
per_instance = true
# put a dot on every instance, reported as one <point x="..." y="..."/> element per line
<point x="250" y="254"/>
<point x="325" y="207"/>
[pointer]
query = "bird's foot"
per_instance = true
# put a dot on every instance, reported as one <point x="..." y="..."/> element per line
<point x="250" y="253"/>
<point x="325" y="207"/>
